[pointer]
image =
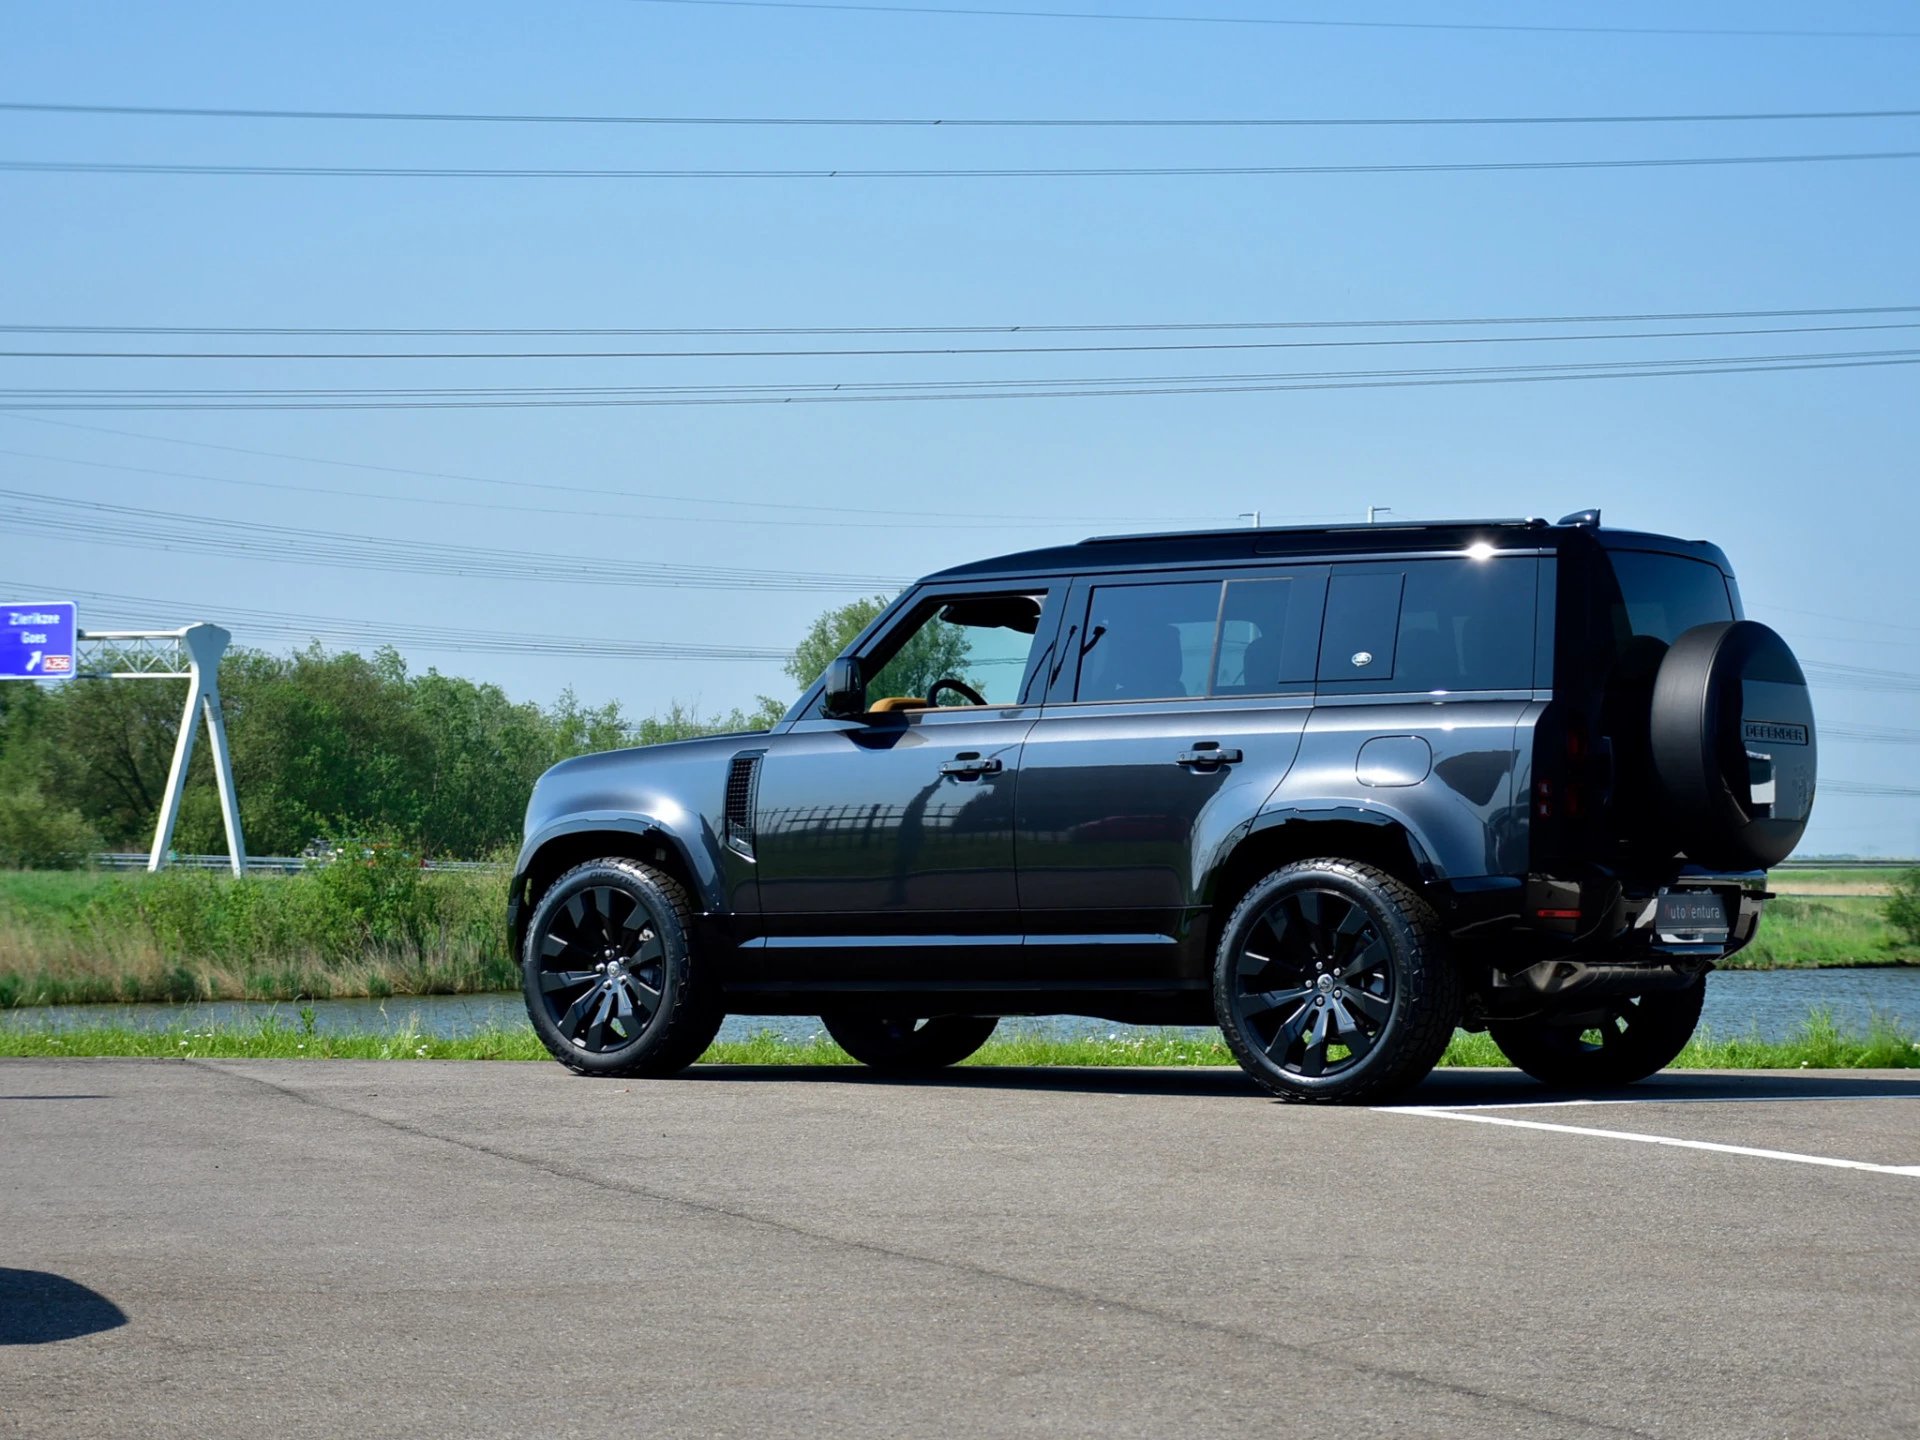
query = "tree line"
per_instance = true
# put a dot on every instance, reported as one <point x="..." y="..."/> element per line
<point x="324" y="743"/>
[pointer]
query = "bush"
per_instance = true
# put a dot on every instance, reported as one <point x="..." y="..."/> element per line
<point x="1903" y="906"/>
<point x="38" y="835"/>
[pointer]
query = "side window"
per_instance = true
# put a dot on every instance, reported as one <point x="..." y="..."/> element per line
<point x="1432" y="625"/>
<point x="1363" y="620"/>
<point x="1266" y="645"/>
<point x="984" y="642"/>
<point x="1148" y="642"/>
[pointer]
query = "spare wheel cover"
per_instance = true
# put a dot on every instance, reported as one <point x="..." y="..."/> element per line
<point x="1734" y="744"/>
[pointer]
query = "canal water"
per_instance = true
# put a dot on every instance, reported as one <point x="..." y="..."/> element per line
<point x="1771" y="1003"/>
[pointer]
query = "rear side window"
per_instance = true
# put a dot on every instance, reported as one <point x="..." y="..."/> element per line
<point x="1266" y="643"/>
<point x="1664" y="596"/>
<point x="1430" y="625"/>
<point x="1148" y="642"/>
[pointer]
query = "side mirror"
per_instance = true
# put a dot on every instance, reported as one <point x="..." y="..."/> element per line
<point x="846" y="694"/>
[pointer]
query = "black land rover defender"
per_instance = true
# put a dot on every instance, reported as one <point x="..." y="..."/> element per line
<point x="1337" y="791"/>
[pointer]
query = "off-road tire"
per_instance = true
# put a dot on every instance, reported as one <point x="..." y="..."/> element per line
<point x="688" y="1014"/>
<point x="909" y="1047"/>
<point x="1422" y="1005"/>
<point x="1640" y="1037"/>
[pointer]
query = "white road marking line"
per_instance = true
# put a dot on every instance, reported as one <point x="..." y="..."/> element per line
<point x="1913" y="1094"/>
<point x="1437" y="1113"/>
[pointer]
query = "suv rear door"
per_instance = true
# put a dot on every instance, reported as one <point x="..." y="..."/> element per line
<point x="1176" y="707"/>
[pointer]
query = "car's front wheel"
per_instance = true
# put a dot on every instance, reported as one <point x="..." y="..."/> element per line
<point x="907" y="1046"/>
<point x="610" y="980"/>
<point x="1630" y="1039"/>
<point x="1333" y="981"/>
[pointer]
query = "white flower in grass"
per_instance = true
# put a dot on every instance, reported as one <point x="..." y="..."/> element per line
<point x="420" y="1050"/>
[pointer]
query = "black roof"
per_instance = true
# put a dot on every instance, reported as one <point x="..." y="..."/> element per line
<point x="1307" y="542"/>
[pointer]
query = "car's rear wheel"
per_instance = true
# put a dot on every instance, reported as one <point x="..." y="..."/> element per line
<point x="906" y="1046"/>
<point x="1333" y="981"/>
<point x="607" y="970"/>
<point x="1630" y="1039"/>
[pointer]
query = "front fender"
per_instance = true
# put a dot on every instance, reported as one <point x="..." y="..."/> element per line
<point x="701" y="859"/>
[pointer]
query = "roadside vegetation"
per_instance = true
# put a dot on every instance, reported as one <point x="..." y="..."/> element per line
<point x="1819" y="1045"/>
<point x="374" y="924"/>
<point x="371" y="923"/>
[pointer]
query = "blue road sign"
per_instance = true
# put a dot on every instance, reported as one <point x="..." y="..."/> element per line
<point x="37" y="640"/>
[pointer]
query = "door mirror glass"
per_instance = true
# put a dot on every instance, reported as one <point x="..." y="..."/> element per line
<point x="846" y="689"/>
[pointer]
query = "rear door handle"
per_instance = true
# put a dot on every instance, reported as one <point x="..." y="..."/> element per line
<point x="1209" y="754"/>
<point x="970" y="765"/>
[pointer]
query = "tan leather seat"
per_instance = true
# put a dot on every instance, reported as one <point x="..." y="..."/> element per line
<point x="897" y="702"/>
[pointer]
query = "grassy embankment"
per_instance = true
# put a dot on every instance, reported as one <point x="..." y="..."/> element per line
<point x="378" y="929"/>
<point x="390" y="929"/>
<point x="1820" y="1045"/>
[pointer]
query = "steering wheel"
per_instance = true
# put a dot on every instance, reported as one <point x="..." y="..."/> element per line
<point x="964" y="690"/>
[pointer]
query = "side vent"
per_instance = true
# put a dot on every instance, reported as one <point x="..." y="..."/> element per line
<point x="743" y="781"/>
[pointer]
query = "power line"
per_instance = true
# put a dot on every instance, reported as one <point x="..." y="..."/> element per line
<point x="438" y="117"/>
<point x="396" y="172"/>
<point x="1644" y="317"/>
<point x="1840" y="619"/>
<point x="337" y="629"/>
<point x="846" y="7"/>
<point x="563" y="488"/>
<point x="1858" y="787"/>
<point x="841" y="523"/>
<point x="1870" y="735"/>
<point x="1860" y="677"/>
<point x="533" y="397"/>
<point x="946" y="350"/>
<point x="98" y="522"/>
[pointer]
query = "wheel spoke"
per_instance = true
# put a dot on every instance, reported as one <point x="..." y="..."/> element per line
<point x="552" y="945"/>
<point x="1370" y="958"/>
<point x="651" y="948"/>
<point x="552" y="980"/>
<point x="1313" y="1055"/>
<point x="1259" y="1004"/>
<point x="597" y="1031"/>
<point x="646" y="999"/>
<point x="1374" y="1007"/>
<point x="1252" y="963"/>
<point x="1284" y="1038"/>
<point x="1312" y="914"/>
<point x="1355" y="921"/>
<point x="569" y="1023"/>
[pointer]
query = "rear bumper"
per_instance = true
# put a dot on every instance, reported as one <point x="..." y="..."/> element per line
<point x="1601" y="936"/>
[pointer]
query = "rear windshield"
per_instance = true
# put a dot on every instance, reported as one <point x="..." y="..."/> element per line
<point x="1663" y="596"/>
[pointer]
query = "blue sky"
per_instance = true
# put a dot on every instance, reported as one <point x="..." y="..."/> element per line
<point x="1806" y="478"/>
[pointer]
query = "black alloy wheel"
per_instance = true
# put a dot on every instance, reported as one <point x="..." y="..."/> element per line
<point x="1332" y="982"/>
<point x="1631" y="1038"/>
<point x="607" y="976"/>
<point x="909" y="1046"/>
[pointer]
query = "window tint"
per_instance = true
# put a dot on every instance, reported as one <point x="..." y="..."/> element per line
<point x="1363" y="615"/>
<point x="1665" y="595"/>
<point x="1148" y="642"/>
<point x="1258" y="655"/>
<point x="982" y="642"/>
<point x="1433" y="625"/>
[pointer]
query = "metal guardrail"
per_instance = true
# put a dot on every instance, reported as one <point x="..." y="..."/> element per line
<point x="260" y="864"/>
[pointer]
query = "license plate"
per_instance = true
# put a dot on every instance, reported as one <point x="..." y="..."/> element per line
<point x="1691" y="915"/>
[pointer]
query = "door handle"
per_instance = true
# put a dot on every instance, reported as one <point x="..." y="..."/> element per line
<point x="1208" y="753"/>
<point x="970" y="765"/>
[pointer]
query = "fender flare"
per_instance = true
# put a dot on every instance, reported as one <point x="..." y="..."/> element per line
<point x="700" y="861"/>
<point x="1309" y="812"/>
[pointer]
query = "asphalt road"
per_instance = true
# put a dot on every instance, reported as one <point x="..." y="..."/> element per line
<point x="357" y="1248"/>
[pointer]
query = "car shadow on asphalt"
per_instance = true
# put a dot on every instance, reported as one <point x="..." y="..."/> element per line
<point x="1449" y="1087"/>
<point x="38" y="1307"/>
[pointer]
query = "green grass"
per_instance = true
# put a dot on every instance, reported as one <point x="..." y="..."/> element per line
<point x="342" y="930"/>
<point x="1805" y="932"/>
<point x="74" y="937"/>
<point x="1820" y="1045"/>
